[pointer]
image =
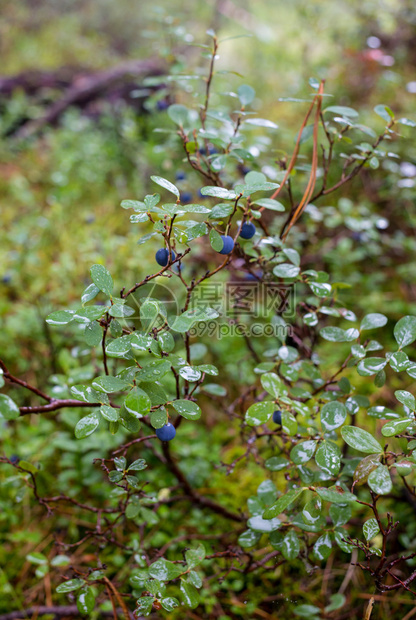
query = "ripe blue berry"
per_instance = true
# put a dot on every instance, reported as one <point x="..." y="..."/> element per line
<point x="277" y="417"/>
<point x="228" y="244"/>
<point x="162" y="104"/>
<point x="162" y="257"/>
<point x="186" y="197"/>
<point x="248" y="230"/>
<point x="180" y="175"/>
<point x="166" y="433"/>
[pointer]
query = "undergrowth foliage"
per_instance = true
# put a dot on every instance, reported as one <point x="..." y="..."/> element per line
<point x="149" y="371"/>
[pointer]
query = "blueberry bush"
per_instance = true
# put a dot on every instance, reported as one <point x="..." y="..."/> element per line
<point x="233" y="431"/>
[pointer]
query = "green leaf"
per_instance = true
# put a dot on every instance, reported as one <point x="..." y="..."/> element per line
<point x="395" y="427"/>
<point x="137" y="403"/>
<point x="8" y="408"/>
<point x="336" y="334"/>
<point x="249" y="538"/>
<point x="290" y="545"/>
<point x="267" y="493"/>
<point x="336" y="495"/>
<point x="282" y="503"/>
<point x="179" y="114"/>
<point x="215" y="240"/>
<point x="384" y="111"/>
<point x="26" y="466"/>
<point x="320" y="289"/>
<point x="159" y="418"/>
<point x="365" y="467"/>
<point x="339" y="535"/>
<point x="405" y="331"/>
<point x="340" y="514"/>
<point x="93" y="334"/>
<point x="289" y="423"/>
<point x="342" y="110"/>
<point x="144" y="606"/>
<point x="194" y="557"/>
<point x="109" y="413"/>
<point x="379" y="480"/>
<point x="120" y="310"/>
<point x="312" y="511"/>
<point x="276" y="463"/>
<point x="190" y="594"/>
<point x="404" y="468"/>
<point x="87" y="425"/>
<point x="87" y="394"/>
<point x="119" y="347"/>
<point x="270" y="203"/>
<point x="370" y="528"/>
<point x="246" y="94"/>
<point x="187" y="409"/>
<point x="60" y="560"/>
<point x="169" y="603"/>
<point x="208" y="369"/>
<point x="109" y="384"/>
<point x="360" y="440"/>
<point x="85" y="601"/>
<point x="407" y="121"/>
<point x="102" y="279"/>
<point x="286" y="270"/>
<point x="306" y="611"/>
<point x="163" y="570"/>
<point x="90" y="292"/>
<point x="337" y="601"/>
<point x="166" y="185"/>
<point x="90" y="313"/>
<point x="60" y="317"/>
<point x="193" y="232"/>
<point x="303" y="452"/>
<point x="260" y="122"/>
<point x="398" y="361"/>
<point x="259" y="413"/>
<point x="372" y="321"/>
<point x="333" y="415"/>
<point x="323" y="547"/>
<point x="272" y="384"/>
<point x="190" y="373"/>
<point x="328" y="458"/>
<point x="248" y="189"/>
<point x="292" y="255"/>
<point x="153" y="371"/>
<point x="406" y="398"/>
<point x="70" y="585"/>
<point x="370" y="366"/>
<point x="218" y="192"/>
<point x="36" y="558"/>
<point x="138" y="465"/>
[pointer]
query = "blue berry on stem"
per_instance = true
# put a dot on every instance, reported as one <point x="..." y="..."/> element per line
<point x="277" y="417"/>
<point x="228" y="244"/>
<point x="162" y="257"/>
<point x="166" y="433"/>
<point x="248" y="230"/>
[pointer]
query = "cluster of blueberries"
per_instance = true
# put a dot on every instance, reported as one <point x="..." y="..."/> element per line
<point x="248" y="230"/>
